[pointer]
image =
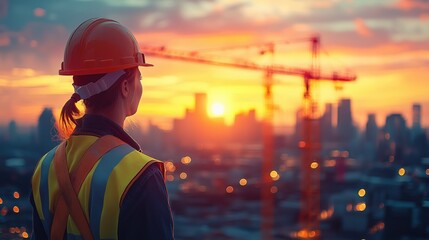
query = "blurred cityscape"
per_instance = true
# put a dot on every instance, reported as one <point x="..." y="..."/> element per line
<point x="374" y="182"/>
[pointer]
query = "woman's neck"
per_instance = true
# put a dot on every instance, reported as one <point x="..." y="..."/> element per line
<point x="114" y="114"/>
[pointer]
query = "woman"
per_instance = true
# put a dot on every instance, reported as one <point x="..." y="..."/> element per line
<point x="97" y="184"/>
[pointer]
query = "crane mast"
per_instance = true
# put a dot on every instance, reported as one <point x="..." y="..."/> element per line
<point x="310" y="144"/>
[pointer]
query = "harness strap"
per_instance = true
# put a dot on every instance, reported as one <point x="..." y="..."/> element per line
<point x="68" y="193"/>
<point x="70" y="184"/>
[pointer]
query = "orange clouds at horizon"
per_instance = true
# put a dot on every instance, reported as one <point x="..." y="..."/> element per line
<point x="168" y="93"/>
<point x="362" y="28"/>
<point x="411" y="4"/>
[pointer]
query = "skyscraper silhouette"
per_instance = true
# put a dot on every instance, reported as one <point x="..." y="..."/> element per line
<point x="246" y="128"/>
<point x="416" y="128"/>
<point x="12" y="133"/>
<point x="371" y="129"/>
<point x="196" y="129"/>
<point x="47" y="134"/>
<point x="370" y="140"/>
<point x="417" y="112"/>
<point x="326" y="130"/>
<point x="396" y="127"/>
<point x="397" y="131"/>
<point x="345" y="127"/>
<point x="419" y="138"/>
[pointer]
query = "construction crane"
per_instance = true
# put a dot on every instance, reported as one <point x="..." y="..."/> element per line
<point x="310" y="144"/>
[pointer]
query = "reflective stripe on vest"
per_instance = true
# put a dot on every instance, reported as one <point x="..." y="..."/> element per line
<point x="41" y="194"/>
<point x="99" y="184"/>
<point x="102" y="190"/>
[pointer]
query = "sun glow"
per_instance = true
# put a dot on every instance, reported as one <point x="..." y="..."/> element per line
<point x="217" y="109"/>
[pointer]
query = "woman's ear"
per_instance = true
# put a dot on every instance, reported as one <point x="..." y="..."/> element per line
<point x="125" y="88"/>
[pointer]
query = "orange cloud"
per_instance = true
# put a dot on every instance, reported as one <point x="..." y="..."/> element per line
<point x="412" y="4"/>
<point x="424" y="17"/>
<point x="302" y="27"/>
<point x="194" y="41"/>
<point x="362" y="28"/>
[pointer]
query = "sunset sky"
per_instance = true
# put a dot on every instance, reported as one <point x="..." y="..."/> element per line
<point x="385" y="42"/>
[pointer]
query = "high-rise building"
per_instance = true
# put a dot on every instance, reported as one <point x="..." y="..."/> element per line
<point x="246" y="128"/>
<point x="326" y="130"/>
<point x="371" y="129"/>
<point x="417" y="112"/>
<point x="47" y="134"/>
<point x="196" y="130"/>
<point x="371" y="146"/>
<point x="416" y="128"/>
<point x="419" y="138"/>
<point x="12" y="134"/>
<point x="396" y="127"/>
<point x="345" y="127"/>
<point x="397" y="135"/>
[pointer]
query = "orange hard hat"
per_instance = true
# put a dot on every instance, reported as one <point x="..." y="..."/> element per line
<point x="101" y="45"/>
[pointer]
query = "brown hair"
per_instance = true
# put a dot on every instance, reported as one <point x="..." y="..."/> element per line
<point x="70" y="113"/>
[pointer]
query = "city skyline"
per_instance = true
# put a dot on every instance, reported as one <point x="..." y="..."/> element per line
<point x="200" y="111"/>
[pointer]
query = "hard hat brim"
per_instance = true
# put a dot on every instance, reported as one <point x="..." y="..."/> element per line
<point x="77" y="72"/>
<point x="104" y="69"/>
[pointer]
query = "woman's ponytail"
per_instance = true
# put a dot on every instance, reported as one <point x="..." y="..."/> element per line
<point x="69" y="114"/>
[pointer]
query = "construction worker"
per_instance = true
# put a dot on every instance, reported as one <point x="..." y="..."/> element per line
<point x="97" y="184"/>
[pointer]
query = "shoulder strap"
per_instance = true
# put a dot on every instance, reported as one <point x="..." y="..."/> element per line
<point x="70" y="184"/>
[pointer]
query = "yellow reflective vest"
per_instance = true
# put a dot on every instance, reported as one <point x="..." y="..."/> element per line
<point x="102" y="191"/>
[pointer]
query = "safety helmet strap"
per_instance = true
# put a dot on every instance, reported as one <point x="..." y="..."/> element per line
<point x="101" y="85"/>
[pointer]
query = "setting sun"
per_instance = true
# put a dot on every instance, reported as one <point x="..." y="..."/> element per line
<point x="217" y="109"/>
